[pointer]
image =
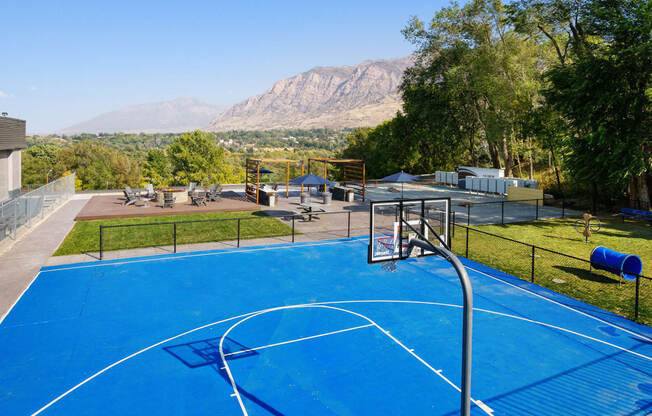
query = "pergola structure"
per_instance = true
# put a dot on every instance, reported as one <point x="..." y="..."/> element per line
<point x="353" y="171"/>
<point x="252" y="178"/>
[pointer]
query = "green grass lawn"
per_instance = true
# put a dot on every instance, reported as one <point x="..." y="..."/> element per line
<point x="84" y="237"/>
<point x="598" y="288"/>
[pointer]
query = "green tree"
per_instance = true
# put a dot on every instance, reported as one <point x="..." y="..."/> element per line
<point x="195" y="157"/>
<point x="157" y="169"/>
<point x="39" y="164"/>
<point x="605" y="95"/>
<point x="98" y="166"/>
<point x="558" y="24"/>
<point x="475" y="81"/>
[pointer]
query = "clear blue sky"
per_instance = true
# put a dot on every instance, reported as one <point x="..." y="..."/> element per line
<point x="66" y="61"/>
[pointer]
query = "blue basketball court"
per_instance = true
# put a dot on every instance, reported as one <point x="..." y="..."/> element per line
<point x="309" y="329"/>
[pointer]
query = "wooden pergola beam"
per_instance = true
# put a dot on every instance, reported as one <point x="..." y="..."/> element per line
<point x="356" y="167"/>
<point x="328" y="160"/>
<point x="276" y="160"/>
<point x="259" y="161"/>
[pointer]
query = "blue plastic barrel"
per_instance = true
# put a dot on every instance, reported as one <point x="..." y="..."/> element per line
<point x="628" y="266"/>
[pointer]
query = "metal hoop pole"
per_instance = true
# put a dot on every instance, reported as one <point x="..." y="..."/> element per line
<point x="467" y="326"/>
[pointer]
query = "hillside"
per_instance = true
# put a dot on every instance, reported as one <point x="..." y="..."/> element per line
<point x="182" y="114"/>
<point x="332" y="97"/>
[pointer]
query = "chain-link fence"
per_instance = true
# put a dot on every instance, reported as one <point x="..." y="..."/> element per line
<point x="504" y="211"/>
<point x="639" y="204"/>
<point x="28" y="207"/>
<point x="563" y="273"/>
<point x="282" y="227"/>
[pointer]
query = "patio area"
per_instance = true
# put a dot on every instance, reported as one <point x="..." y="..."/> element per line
<point x="111" y="206"/>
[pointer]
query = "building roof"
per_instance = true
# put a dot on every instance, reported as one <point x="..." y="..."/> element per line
<point x="481" y="172"/>
<point x="12" y="133"/>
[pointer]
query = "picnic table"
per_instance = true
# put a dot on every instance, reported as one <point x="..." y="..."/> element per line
<point x="635" y="214"/>
<point x="312" y="209"/>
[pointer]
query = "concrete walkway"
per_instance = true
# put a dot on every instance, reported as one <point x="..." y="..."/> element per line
<point x="20" y="264"/>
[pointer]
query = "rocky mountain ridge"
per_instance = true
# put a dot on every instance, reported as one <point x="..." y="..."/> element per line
<point x="333" y="97"/>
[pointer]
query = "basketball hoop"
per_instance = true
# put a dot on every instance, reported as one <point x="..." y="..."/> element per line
<point x="389" y="242"/>
<point x="389" y="266"/>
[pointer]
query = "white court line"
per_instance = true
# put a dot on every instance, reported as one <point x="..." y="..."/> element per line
<point x="262" y="347"/>
<point x="321" y="303"/>
<point x="105" y="369"/>
<point x="19" y="297"/>
<point x="358" y="239"/>
<point x="561" y="304"/>
<point x="520" y="318"/>
<point x="225" y="251"/>
<point x="234" y="385"/>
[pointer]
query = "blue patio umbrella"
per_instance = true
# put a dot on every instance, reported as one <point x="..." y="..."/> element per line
<point x="310" y="180"/>
<point x="400" y="177"/>
<point x="263" y="171"/>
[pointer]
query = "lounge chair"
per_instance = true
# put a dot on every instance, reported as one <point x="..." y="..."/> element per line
<point x="150" y="192"/>
<point x="131" y="196"/>
<point x="214" y="193"/>
<point x="191" y="188"/>
<point x="198" y="200"/>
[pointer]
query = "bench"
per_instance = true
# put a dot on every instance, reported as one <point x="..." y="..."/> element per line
<point x="635" y="214"/>
<point x="312" y="209"/>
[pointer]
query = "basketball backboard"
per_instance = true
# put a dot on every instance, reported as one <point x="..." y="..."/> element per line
<point x="394" y="223"/>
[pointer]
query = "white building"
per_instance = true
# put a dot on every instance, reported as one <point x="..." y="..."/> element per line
<point x="12" y="140"/>
<point x="464" y="171"/>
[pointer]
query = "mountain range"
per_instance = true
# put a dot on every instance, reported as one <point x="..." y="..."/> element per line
<point x="334" y="97"/>
<point x="175" y="116"/>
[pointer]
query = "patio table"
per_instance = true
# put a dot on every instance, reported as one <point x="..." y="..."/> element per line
<point x="311" y="208"/>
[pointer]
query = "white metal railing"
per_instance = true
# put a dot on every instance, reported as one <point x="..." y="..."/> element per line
<point x="22" y="210"/>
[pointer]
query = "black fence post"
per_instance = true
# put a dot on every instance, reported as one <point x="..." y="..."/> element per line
<point x="532" y="272"/>
<point x="238" y="232"/>
<point x="293" y="228"/>
<point x="400" y="228"/>
<point x="467" y="243"/>
<point x="101" y="245"/>
<point x="453" y="224"/>
<point x="468" y="215"/>
<point x="175" y="237"/>
<point x="502" y="212"/>
<point x="638" y="286"/>
<point x="452" y="234"/>
<point x="348" y="225"/>
<point x="537" y="214"/>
